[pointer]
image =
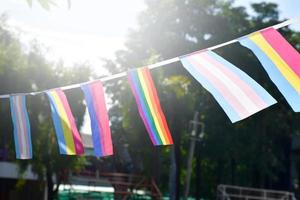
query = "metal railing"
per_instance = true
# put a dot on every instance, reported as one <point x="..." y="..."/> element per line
<point x="230" y="192"/>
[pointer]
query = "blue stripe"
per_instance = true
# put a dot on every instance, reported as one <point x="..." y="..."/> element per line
<point x="290" y="94"/>
<point x="229" y="110"/>
<point x="57" y="125"/>
<point x="26" y="120"/>
<point x="96" y="130"/>
<point x="13" y="115"/>
<point x="259" y="90"/>
<point x="134" y="78"/>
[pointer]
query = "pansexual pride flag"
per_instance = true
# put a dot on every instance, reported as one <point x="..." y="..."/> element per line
<point x="146" y="98"/>
<point x="21" y="124"/>
<point x="69" y="140"/>
<point x="280" y="60"/>
<point x="95" y="100"/>
<point x="237" y="93"/>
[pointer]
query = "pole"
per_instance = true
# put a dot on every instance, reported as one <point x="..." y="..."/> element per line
<point x="195" y="123"/>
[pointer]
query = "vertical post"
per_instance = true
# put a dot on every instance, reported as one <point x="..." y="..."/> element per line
<point x="172" y="177"/>
<point x="195" y="124"/>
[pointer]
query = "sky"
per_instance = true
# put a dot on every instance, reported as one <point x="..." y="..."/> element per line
<point x="91" y="29"/>
<point x="88" y="31"/>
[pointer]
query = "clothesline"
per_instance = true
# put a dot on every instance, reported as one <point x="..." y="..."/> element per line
<point x="159" y="64"/>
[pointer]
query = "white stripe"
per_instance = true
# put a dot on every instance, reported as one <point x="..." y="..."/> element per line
<point x="234" y="89"/>
<point x="20" y="120"/>
<point x="16" y="123"/>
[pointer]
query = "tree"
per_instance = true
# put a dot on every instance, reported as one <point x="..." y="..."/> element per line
<point x="25" y="71"/>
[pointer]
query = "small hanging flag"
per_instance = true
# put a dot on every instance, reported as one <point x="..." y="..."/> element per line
<point x="69" y="140"/>
<point x="237" y="93"/>
<point x="146" y="98"/>
<point x="22" y="135"/>
<point x="94" y="97"/>
<point x="280" y="60"/>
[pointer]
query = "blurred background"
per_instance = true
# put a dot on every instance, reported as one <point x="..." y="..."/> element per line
<point x="51" y="43"/>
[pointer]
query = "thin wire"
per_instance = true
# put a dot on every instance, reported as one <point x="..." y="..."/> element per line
<point x="159" y="64"/>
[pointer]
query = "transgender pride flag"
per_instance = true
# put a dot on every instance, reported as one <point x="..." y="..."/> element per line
<point x="21" y="124"/>
<point x="237" y="93"/>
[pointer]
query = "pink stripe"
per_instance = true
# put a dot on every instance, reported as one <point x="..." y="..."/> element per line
<point x="286" y="51"/>
<point x="24" y="126"/>
<point x="17" y="110"/>
<point x="96" y="109"/>
<point x="222" y="89"/>
<point x="102" y="115"/>
<point x="76" y="137"/>
<point x="249" y="92"/>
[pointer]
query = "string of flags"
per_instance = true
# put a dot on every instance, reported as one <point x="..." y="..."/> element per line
<point x="238" y="94"/>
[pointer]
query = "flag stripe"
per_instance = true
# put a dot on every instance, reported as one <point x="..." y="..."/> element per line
<point x="149" y="107"/>
<point x="64" y="123"/>
<point x="22" y="135"/>
<point x="283" y="48"/>
<point x="94" y="96"/>
<point x="230" y="86"/>
<point x="21" y="116"/>
<point x="17" y="139"/>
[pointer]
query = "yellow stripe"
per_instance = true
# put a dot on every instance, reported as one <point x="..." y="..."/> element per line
<point x="284" y="68"/>
<point x="152" y="110"/>
<point x="70" y="148"/>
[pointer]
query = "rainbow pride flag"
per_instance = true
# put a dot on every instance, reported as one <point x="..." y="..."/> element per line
<point x="22" y="135"/>
<point x="280" y="60"/>
<point x="95" y="99"/>
<point x="237" y="93"/>
<point x="146" y="98"/>
<point x="69" y="140"/>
